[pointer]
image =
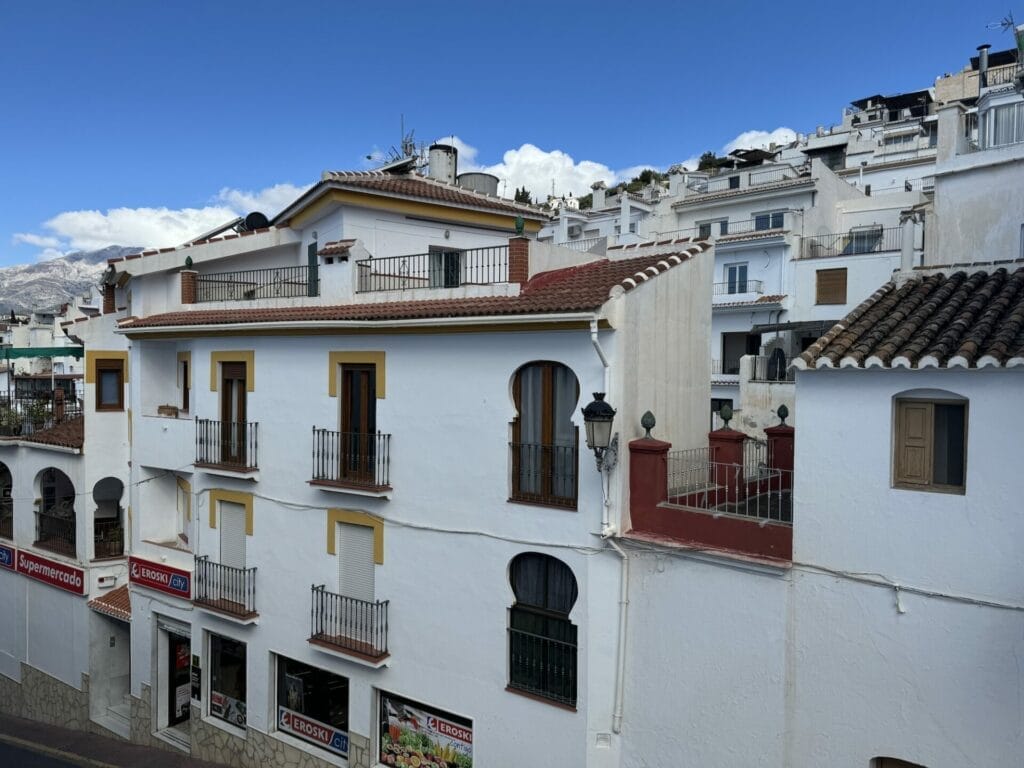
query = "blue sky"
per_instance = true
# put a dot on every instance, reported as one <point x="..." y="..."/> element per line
<point x="143" y="123"/>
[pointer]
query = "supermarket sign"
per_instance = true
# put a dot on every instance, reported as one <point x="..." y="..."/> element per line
<point x="160" y="577"/>
<point x="312" y="730"/>
<point x="7" y="557"/>
<point x="51" y="572"/>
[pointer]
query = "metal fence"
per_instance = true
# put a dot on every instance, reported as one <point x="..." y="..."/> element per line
<point x="542" y="666"/>
<point x="228" y="444"/>
<point x="737" y="286"/>
<point x="225" y="588"/>
<point x="583" y="244"/>
<point x="25" y="414"/>
<point x="544" y="474"/>
<point x="687" y="470"/>
<point x="252" y="284"/>
<point x="868" y="240"/>
<point x="758" y="492"/>
<point x="56" y="532"/>
<point x="349" y="623"/>
<point x="352" y="458"/>
<point x="7" y="523"/>
<point x="771" y="368"/>
<point x="437" y="269"/>
<point x="108" y="538"/>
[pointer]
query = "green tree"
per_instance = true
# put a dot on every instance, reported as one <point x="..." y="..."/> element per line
<point x="523" y="196"/>
<point x="707" y="161"/>
<point x="586" y="201"/>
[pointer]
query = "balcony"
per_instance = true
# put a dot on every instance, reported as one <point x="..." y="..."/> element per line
<point x="354" y="627"/>
<point x="737" y="288"/>
<point x="55" y="531"/>
<point x="225" y="589"/>
<point x="730" y="489"/>
<point x="773" y="368"/>
<point x="22" y="415"/>
<point x="227" y="445"/>
<point x="253" y="284"/>
<point x="108" y="539"/>
<point x="352" y="460"/>
<point x="854" y="242"/>
<point x="438" y="269"/>
<point x="163" y="442"/>
<point x="544" y="474"/>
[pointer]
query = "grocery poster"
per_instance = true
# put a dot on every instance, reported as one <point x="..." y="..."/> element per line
<point x="413" y="735"/>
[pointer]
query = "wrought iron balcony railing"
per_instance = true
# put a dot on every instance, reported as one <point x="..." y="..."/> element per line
<point x="544" y="474"/>
<point x="867" y="240"/>
<point x="542" y="666"/>
<point x="56" y="532"/>
<point x="437" y="269"/>
<point x="227" y="444"/>
<point x="347" y="623"/>
<point x="7" y="524"/>
<point x="352" y="459"/>
<point x="25" y="414"/>
<point x="737" y="286"/>
<point x="108" y="538"/>
<point x="754" y="491"/>
<point x="252" y="284"/>
<point x="225" y="588"/>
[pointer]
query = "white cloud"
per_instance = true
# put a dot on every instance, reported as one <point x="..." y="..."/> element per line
<point x="151" y="227"/>
<point x="760" y="139"/>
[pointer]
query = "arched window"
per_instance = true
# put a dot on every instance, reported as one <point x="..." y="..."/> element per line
<point x="108" y="529"/>
<point x="542" y="640"/>
<point x="55" y="518"/>
<point x="544" y="439"/>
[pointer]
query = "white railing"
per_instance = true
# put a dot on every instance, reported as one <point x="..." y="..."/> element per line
<point x="584" y="244"/>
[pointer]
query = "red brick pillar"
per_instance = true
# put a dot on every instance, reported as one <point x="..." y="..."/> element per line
<point x="648" y="475"/>
<point x="780" y="451"/>
<point x="189" y="278"/>
<point x="108" y="299"/>
<point x="725" y="451"/>
<point x="518" y="260"/>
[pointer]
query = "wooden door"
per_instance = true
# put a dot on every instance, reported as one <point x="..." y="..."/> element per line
<point x="359" y="423"/>
<point x="233" y="406"/>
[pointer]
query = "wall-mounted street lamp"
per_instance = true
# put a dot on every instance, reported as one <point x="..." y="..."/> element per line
<point x="598" y="417"/>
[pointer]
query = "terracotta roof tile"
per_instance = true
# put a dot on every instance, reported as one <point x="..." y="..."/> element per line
<point x="770" y="298"/>
<point x="69" y="434"/>
<point x="580" y="288"/>
<point x="116" y="603"/>
<point x="336" y="248"/>
<point x="937" y="320"/>
<point x="415" y="185"/>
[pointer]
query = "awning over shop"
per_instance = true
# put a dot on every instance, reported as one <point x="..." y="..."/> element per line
<point x="12" y="353"/>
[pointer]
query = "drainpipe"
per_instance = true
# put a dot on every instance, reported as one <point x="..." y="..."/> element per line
<point x="620" y="654"/>
<point x="608" y="533"/>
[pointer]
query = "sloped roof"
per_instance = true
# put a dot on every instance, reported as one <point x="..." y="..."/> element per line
<point x="336" y="248"/>
<point x="580" y="288"/>
<point x="116" y="603"/>
<point x="68" y="434"/>
<point x="414" y="185"/>
<point x="955" y="320"/>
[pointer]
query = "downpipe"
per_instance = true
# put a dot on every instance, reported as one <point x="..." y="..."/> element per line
<point x="620" y="654"/>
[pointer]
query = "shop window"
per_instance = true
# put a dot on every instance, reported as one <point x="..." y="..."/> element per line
<point x="417" y="734"/>
<point x="544" y="438"/>
<point x="227" y="680"/>
<point x="312" y="705"/>
<point x="109" y="385"/>
<point x="542" y="640"/>
<point x="930" y="445"/>
<point x="830" y="286"/>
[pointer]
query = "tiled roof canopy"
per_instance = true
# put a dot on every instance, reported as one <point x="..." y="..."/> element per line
<point x="582" y="288"/>
<point x="966" y="320"/>
<point x="414" y="185"/>
<point x="116" y="603"/>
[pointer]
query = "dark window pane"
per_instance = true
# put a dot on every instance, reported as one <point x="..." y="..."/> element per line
<point x="110" y="388"/>
<point x="762" y="221"/>
<point x="948" y="452"/>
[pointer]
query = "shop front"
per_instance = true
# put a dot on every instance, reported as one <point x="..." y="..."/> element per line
<point x="412" y="733"/>
<point x="312" y="705"/>
<point x="227" y="680"/>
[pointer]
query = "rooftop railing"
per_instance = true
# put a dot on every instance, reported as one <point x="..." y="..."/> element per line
<point x="350" y="624"/>
<point x="854" y="242"/>
<point x="771" y="368"/>
<point x="25" y="414"/>
<point x="755" y="491"/>
<point x="1002" y="76"/>
<point x="437" y="269"/>
<point x="252" y="284"/>
<point x="583" y="244"/>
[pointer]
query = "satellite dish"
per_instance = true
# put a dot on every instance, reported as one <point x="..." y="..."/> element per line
<point x="256" y="220"/>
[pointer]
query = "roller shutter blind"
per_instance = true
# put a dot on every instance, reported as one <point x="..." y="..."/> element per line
<point x="232" y="534"/>
<point x="831" y="286"/>
<point x="355" y="561"/>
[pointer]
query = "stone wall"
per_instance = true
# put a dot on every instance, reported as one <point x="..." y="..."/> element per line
<point x="141" y="721"/>
<point x="218" y="745"/>
<point x="49" y="700"/>
<point x="10" y="696"/>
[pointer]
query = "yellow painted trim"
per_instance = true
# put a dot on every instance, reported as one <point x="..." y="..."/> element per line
<point x="335" y="516"/>
<point x="92" y="355"/>
<point x="246" y="356"/>
<point x="454" y="213"/>
<point x="185" y="357"/>
<point x="186" y="486"/>
<point x="129" y="413"/>
<point x="334" y="359"/>
<point x="218" y="495"/>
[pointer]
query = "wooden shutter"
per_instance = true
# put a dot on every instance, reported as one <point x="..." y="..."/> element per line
<point x="232" y="534"/>
<point x="831" y="286"/>
<point x="355" y="561"/>
<point x="913" y="454"/>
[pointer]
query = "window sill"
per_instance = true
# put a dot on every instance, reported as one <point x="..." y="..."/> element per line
<point x="541" y="699"/>
<point x="949" y="490"/>
<point x="224" y="470"/>
<point x="349" y="655"/>
<point x="334" y="486"/>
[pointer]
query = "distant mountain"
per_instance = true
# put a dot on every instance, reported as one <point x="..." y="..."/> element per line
<point x="48" y="284"/>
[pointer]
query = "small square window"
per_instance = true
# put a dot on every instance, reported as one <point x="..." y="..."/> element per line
<point x="930" y="446"/>
<point x="109" y="385"/>
<point x="831" y="286"/>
